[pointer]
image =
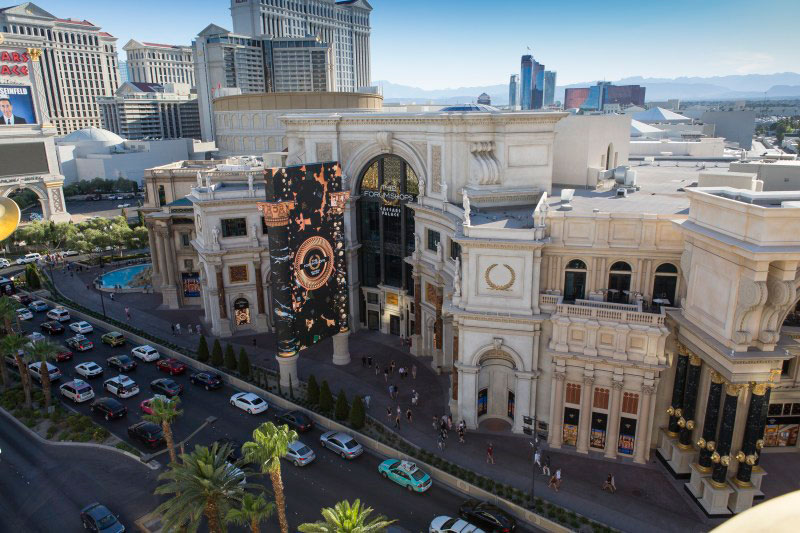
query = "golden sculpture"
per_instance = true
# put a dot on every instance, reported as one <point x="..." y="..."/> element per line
<point x="9" y="217"/>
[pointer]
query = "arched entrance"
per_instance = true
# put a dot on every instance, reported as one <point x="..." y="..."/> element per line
<point x="49" y="191"/>
<point x="496" y="386"/>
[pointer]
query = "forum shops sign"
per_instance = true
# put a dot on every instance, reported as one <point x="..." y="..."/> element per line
<point x="304" y="214"/>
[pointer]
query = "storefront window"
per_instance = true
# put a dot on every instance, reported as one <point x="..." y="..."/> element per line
<point x="783" y="425"/>
<point x="241" y="311"/>
<point x="571" y="419"/>
<point x="627" y="435"/>
<point x="597" y="438"/>
<point x="483" y="402"/>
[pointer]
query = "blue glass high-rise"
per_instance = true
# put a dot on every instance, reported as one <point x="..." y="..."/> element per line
<point x="537" y="97"/>
<point x="526" y="82"/>
<point x="549" y="87"/>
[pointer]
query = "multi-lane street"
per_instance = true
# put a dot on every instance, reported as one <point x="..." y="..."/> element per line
<point x="322" y="483"/>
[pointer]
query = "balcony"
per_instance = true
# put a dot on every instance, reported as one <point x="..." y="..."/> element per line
<point x="625" y="313"/>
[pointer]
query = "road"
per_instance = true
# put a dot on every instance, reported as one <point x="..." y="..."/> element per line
<point x="328" y="480"/>
<point x="83" y="209"/>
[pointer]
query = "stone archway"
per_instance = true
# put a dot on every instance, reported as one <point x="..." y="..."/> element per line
<point x="49" y="190"/>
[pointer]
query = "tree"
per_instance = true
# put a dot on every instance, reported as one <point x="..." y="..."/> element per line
<point x="358" y="414"/>
<point x="253" y="510"/>
<point x="32" y="277"/>
<point x="244" y="363"/>
<point x="7" y="314"/>
<point x="342" y="409"/>
<point x="325" y="398"/>
<point x="202" y="350"/>
<point x="346" y="518"/>
<point x="216" y="354"/>
<point x="269" y="445"/>
<point x="312" y="390"/>
<point x="165" y="411"/>
<point x="12" y="346"/>
<point x="42" y="352"/>
<point x="230" y="358"/>
<point x="202" y="483"/>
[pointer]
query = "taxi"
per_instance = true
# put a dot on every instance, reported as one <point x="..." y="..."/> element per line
<point x="406" y="474"/>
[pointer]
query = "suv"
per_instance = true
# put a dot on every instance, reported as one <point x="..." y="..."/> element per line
<point x="121" y="386"/>
<point x="97" y="517"/>
<point x="4" y="262"/>
<point x="34" y="369"/>
<point x="77" y="390"/>
<point x="113" y="338"/>
<point x="59" y="313"/>
<point x="146" y="353"/>
<point x="28" y="258"/>
<point x="147" y="432"/>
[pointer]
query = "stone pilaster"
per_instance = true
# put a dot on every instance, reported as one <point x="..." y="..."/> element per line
<point x="582" y="445"/>
<point x="612" y="437"/>
<point x="707" y="443"/>
<point x="686" y="421"/>
<point x="640" y="454"/>
<point x="721" y="457"/>
<point x="748" y="454"/>
<point x="556" y="430"/>
<point x="674" y="411"/>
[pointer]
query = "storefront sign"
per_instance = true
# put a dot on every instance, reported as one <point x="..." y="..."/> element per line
<point x="14" y="63"/>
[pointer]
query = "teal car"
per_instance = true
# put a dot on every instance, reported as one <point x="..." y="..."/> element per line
<point x="406" y="474"/>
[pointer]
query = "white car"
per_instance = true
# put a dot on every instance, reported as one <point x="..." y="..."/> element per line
<point x="249" y="402"/>
<point x="69" y="253"/>
<point x="35" y="337"/>
<point x="59" y="313"/>
<point x="34" y="369"/>
<point x="299" y="454"/>
<point x="28" y="258"/>
<point x="146" y="353"/>
<point x="81" y="327"/>
<point x="121" y="386"/>
<point x="24" y="313"/>
<point x="123" y="206"/>
<point x="446" y="524"/>
<point x="89" y="370"/>
<point x="77" y="390"/>
<point x="4" y="262"/>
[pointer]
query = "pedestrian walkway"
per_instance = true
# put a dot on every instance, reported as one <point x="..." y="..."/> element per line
<point x="647" y="499"/>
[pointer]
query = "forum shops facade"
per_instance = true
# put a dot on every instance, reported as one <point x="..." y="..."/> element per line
<point x="650" y="328"/>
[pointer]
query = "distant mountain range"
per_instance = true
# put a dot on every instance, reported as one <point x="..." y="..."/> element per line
<point x="734" y="87"/>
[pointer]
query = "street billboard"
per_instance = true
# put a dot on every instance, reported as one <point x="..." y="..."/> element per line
<point x="16" y="105"/>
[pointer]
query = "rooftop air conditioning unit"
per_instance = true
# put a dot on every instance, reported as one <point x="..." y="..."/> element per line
<point x="622" y="192"/>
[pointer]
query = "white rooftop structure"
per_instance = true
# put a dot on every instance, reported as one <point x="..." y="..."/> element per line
<point x="640" y="129"/>
<point x="659" y="114"/>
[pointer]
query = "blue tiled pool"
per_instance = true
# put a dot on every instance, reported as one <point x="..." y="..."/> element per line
<point x="126" y="278"/>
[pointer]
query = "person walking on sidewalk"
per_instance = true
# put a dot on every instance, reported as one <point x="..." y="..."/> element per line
<point x="558" y="478"/>
<point x="173" y="328"/>
<point x="127" y="313"/>
<point x="414" y="398"/>
<point x="399" y="411"/>
<point x="408" y="415"/>
<point x="391" y="367"/>
<point x="389" y="413"/>
<point x="178" y="328"/>
<point x="537" y="458"/>
<point x="440" y="443"/>
<point x="435" y="424"/>
<point x="386" y="374"/>
<point x="200" y="332"/>
<point x="364" y="361"/>
<point x="397" y="421"/>
<point x="189" y="327"/>
<point x="414" y="371"/>
<point x="490" y="454"/>
<point x="377" y="369"/>
<point x="461" y="431"/>
<point x="546" y="466"/>
<point x="369" y="361"/>
<point x="610" y="484"/>
<point x="366" y="402"/>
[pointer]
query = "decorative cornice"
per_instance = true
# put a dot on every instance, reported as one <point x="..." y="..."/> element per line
<point x="275" y="214"/>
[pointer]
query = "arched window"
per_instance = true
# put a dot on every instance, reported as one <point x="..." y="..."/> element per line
<point x="386" y="224"/>
<point x="619" y="282"/>
<point x="665" y="283"/>
<point x="574" y="280"/>
<point x="241" y="311"/>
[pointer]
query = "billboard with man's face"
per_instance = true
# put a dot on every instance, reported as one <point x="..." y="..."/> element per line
<point x="16" y="105"/>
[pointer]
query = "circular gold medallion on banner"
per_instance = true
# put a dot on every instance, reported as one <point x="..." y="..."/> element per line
<point x="313" y="263"/>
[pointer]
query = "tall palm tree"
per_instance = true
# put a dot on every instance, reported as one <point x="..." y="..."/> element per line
<point x="12" y="346"/>
<point x="6" y="310"/>
<point x="346" y="518"/>
<point x="253" y="510"/>
<point x="165" y="411"/>
<point x="42" y="352"/>
<point x="202" y="483"/>
<point x="269" y="444"/>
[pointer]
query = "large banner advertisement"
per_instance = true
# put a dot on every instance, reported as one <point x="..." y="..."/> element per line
<point x="191" y="284"/>
<point x="305" y="216"/>
<point x="16" y="105"/>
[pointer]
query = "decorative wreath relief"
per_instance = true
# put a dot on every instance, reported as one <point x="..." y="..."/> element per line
<point x="505" y="286"/>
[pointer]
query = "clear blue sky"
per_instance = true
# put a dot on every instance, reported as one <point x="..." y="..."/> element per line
<point x="436" y="44"/>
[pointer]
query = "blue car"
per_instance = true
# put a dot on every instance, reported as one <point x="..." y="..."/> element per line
<point x="406" y="474"/>
<point x="97" y="517"/>
<point x="38" y="306"/>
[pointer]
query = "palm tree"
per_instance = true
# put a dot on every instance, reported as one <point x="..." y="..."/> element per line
<point x="12" y="346"/>
<point x="6" y="309"/>
<point x="202" y="483"/>
<point x="346" y="518"/>
<point x="269" y="444"/>
<point x="165" y="411"/>
<point x="44" y="351"/>
<point x="253" y="511"/>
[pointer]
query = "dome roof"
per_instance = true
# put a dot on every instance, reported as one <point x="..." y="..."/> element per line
<point x="93" y="134"/>
<point x="471" y="108"/>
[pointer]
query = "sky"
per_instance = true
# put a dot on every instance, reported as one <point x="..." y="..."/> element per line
<point x="438" y="44"/>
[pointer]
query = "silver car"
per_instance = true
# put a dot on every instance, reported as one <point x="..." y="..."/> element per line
<point x="300" y="454"/>
<point x="341" y="443"/>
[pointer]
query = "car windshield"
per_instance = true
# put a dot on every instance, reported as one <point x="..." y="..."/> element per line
<point x="92" y="366"/>
<point x="448" y="524"/>
<point x="106" y="521"/>
<point x="256" y="401"/>
<point x="124" y="359"/>
<point x="303" y="450"/>
<point x="350" y="444"/>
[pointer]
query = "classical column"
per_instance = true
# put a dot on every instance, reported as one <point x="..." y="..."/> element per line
<point x="556" y="431"/>
<point x="259" y="288"/>
<point x="640" y="451"/>
<point x="162" y="263"/>
<point x="416" y="336"/>
<point x="749" y="452"/>
<point x="706" y="443"/>
<point x="686" y="421"/>
<point x="613" y="420"/>
<point x="674" y="410"/>
<point x="468" y="397"/>
<point x="154" y="259"/>
<point x="170" y="259"/>
<point x="582" y="445"/>
<point x="763" y="424"/>
<point x="438" y="331"/>
<point x="223" y="308"/>
<point x="721" y="457"/>
<point x="522" y="399"/>
<point x="537" y="268"/>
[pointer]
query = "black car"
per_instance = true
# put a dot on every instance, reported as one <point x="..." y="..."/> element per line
<point x="52" y="328"/>
<point x="236" y="448"/>
<point x="97" y="517"/>
<point x="166" y="386"/>
<point x="24" y="299"/>
<point x="123" y="363"/>
<point x="109" y="408"/>
<point x="486" y="516"/>
<point x="208" y="380"/>
<point x="296" y="420"/>
<point x="147" y="432"/>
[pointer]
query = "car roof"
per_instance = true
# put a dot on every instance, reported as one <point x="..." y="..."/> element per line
<point x="108" y="400"/>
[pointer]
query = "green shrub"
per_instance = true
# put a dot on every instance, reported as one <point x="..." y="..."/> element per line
<point x="202" y="350"/>
<point x="216" y="354"/>
<point x="51" y="432"/>
<point x="230" y="358"/>
<point x="244" y="364"/>
<point x="357" y="413"/>
<point x="325" y="398"/>
<point x="128" y="448"/>
<point x="312" y="390"/>
<point x="342" y="408"/>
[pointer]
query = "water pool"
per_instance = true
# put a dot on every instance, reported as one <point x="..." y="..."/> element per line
<point x="137" y="276"/>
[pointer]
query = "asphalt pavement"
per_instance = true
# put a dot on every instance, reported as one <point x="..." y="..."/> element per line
<point x="324" y="482"/>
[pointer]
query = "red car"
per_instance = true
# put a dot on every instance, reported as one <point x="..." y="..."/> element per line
<point x="63" y="355"/>
<point x="171" y="366"/>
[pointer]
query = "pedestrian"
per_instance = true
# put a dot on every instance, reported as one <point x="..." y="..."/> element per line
<point x="364" y="361"/>
<point x="537" y="458"/>
<point x="440" y="443"/>
<point x="401" y="371"/>
<point x="552" y="484"/>
<point x="377" y="368"/>
<point x="173" y="328"/>
<point x="128" y="313"/>
<point x="399" y="412"/>
<point x="369" y="361"/>
<point x="610" y="484"/>
<point x="389" y="414"/>
<point x="396" y="392"/>
<point x="558" y="478"/>
<point x="449" y="423"/>
<point x="414" y="398"/>
<point x="366" y="402"/>
<point x="435" y="423"/>
<point x="490" y="454"/>
<point x="391" y="391"/>
<point x="408" y="415"/>
<point x="546" y="466"/>
<point x="397" y="421"/>
<point x="414" y="371"/>
<point x="391" y="367"/>
<point x="190" y="329"/>
<point x="461" y="432"/>
<point x="178" y="328"/>
<point x="254" y="340"/>
<point x="386" y="374"/>
<point x="200" y="332"/>
<point x="111" y="296"/>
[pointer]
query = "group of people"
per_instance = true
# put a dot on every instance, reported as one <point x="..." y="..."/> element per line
<point x="555" y="480"/>
<point x="444" y="425"/>
<point x="176" y="329"/>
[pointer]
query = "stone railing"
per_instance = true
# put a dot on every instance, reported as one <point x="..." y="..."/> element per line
<point x="609" y="305"/>
<point x="617" y="315"/>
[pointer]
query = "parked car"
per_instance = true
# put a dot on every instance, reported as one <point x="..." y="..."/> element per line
<point x="147" y="432"/>
<point x="113" y="338"/>
<point x="38" y="306"/>
<point x="34" y="369"/>
<point x="207" y="380"/>
<point x="121" y="386"/>
<point x="166" y="386"/>
<point x="63" y="355"/>
<point x="81" y="327"/>
<point x="28" y="258"/>
<point x="89" y="370"/>
<point x="77" y="390"/>
<point x="145" y="405"/>
<point x="24" y="313"/>
<point x="406" y="474"/>
<point x="69" y="253"/>
<point x="487" y="516"/>
<point x="109" y="408"/>
<point x="59" y="314"/>
<point x="172" y="366"/>
<point x="35" y="337"/>
<point x="249" y="402"/>
<point x="79" y="343"/>
<point x="235" y="454"/>
<point x="341" y="443"/>
<point x="296" y="420"/>
<point x="146" y="353"/>
<point x="446" y="524"/>
<point x="4" y="263"/>
<point x="123" y="363"/>
<point x="52" y="327"/>
<point x="24" y="299"/>
<point x="98" y="518"/>
<point x="299" y="454"/>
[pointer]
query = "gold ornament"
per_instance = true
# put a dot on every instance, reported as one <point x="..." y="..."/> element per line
<point x="711" y="445"/>
<point x="751" y="459"/>
<point x="759" y="444"/>
<point x="678" y="412"/>
<point x="690" y="425"/>
<point x="760" y="389"/>
<point x="505" y="286"/>
<point x="35" y="53"/>
<point x="670" y="410"/>
<point x="701" y="443"/>
<point x="740" y="456"/>
<point x="725" y="460"/>
<point x="715" y="457"/>
<point x="681" y="422"/>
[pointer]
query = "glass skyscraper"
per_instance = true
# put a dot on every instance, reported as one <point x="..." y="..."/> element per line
<point x="513" y="91"/>
<point x="537" y="97"/>
<point x="526" y="82"/>
<point x="549" y="87"/>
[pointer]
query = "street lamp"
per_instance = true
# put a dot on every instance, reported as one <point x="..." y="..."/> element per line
<point x="103" y="303"/>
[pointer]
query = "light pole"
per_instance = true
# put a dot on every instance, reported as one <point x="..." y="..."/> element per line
<point x="103" y="303"/>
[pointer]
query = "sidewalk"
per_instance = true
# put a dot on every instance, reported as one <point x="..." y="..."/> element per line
<point x="647" y="499"/>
